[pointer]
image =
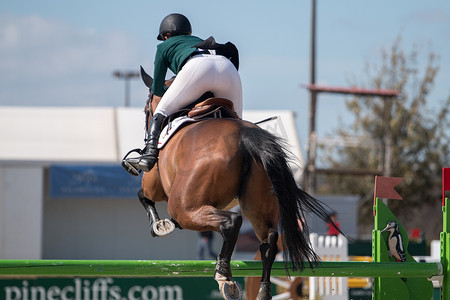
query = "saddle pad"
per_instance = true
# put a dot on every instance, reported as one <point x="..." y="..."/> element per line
<point x="171" y="128"/>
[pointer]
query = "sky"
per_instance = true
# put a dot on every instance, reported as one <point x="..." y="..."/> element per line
<point x="63" y="53"/>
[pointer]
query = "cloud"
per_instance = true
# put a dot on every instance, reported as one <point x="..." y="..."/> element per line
<point x="49" y="62"/>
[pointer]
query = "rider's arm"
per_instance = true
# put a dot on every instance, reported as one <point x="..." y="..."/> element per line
<point x="160" y="70"/>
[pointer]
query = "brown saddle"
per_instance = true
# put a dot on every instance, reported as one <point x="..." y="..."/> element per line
<point x="213" y="107"/>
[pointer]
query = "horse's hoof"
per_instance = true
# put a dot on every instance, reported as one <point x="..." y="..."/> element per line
<point x="163" y="227"/>
<point x="264" y="292"/>
<point x="230" y="290"/>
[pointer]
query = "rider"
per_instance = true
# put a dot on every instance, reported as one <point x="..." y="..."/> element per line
<point x="198" y="70"/>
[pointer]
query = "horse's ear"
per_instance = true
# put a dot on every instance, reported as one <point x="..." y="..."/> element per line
<point x="148" y="80"/>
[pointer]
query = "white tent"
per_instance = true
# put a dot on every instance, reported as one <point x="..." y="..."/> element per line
<point x="56" y="134"/>
<point x="34" y="138"/>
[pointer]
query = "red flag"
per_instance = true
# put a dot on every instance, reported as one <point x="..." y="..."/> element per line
<point x="384" y="187"/>
<point x="445" y="183"/>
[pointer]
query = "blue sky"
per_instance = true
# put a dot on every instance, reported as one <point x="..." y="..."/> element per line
<point x="63" y="53"/>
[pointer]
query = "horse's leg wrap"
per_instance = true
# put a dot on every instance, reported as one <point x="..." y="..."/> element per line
<point x="223" y="270"/>
<point x="229" y="229"/>
<point x="265" y="292"/>
<point x="268" y="252"/>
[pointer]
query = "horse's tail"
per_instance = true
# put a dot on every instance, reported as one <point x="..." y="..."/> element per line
<point x="270" y="150"/>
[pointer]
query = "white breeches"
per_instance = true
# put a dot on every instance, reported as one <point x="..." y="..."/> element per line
<point x="203" y="73"/>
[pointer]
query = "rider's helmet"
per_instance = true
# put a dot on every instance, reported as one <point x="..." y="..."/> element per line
<point x="175" y="24"/>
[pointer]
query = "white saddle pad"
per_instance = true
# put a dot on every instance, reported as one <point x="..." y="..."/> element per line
<point x="171" y="128"/>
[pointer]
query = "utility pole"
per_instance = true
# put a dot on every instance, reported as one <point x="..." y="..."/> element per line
<point x="310" y="168"/>
<point x="387" y="137"/>
<point x="314" y="90"/>
<point x="126" y="75"/>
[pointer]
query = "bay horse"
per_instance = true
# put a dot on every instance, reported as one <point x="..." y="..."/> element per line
<point x="212" y="165"/>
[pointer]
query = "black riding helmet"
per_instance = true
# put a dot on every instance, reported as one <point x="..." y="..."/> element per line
<point x="175" y="24"/>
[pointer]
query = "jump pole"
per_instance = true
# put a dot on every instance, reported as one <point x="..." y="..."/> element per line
<point x="193" y="268"/>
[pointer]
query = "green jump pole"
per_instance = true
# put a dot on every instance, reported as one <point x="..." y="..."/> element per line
<point x="191" y="268"/>
<point x="445" y="243"/>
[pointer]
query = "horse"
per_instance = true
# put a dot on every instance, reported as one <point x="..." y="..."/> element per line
<point x="212" y="165"/>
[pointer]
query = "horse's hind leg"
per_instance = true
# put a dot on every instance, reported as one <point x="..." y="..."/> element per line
<point x="227" y="223"/>
<point x="260" y="206"/>
<point x="158" y="227"/>
<point x="268" y="252"/>
<point x="229" y="229"/>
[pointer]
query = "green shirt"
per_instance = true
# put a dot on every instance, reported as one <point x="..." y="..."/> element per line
<point x="170" y="54"/>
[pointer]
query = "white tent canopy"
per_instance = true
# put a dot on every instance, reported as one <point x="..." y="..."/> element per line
<point x="54" y="134"/>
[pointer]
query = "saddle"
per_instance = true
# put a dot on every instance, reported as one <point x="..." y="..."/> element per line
<point x="209" y="107"/>
<point x="213" y="106"/>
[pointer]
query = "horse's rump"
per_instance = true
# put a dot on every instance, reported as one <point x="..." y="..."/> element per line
<point x="204" y="149"/>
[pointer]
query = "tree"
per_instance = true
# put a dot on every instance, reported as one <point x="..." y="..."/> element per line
<point x="420" y="136"/>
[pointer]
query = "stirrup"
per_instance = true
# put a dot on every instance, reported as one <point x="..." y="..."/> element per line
<point x="131" y="164"/>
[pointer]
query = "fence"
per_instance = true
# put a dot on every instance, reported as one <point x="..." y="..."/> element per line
<point x="329" y="248"/>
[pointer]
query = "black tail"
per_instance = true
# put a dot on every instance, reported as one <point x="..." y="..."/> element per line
<point x="270" y="150"/>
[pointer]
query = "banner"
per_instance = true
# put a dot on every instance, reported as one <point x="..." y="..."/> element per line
<point x="75" y="181"/>
<point x="111" y="289"/>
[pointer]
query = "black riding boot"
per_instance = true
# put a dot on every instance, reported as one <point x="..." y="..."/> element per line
<point x="150" y="152"/>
